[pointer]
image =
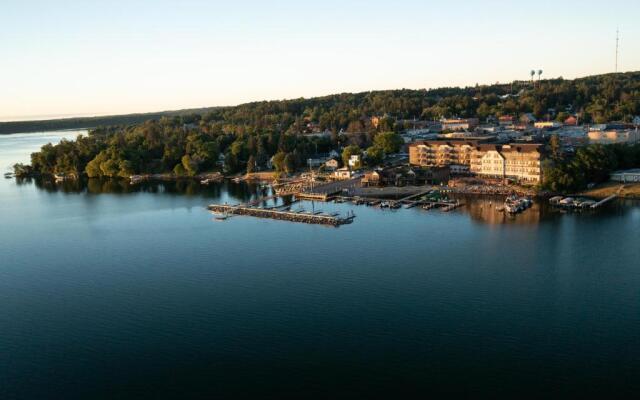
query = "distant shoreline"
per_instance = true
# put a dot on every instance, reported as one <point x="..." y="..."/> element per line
<point x="60" y="124"/>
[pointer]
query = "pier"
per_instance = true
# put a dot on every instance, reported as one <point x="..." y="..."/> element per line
<point x="604" y="201"/>
<point x="308" y="218"/>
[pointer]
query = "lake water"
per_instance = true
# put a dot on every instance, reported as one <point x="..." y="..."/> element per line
<point x="113" y="291"/>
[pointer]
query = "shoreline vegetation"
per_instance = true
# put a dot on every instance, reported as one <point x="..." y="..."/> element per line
<point x="625" y="191"/>
<point x="278" y="137"/>
<point x="72" y="123"/>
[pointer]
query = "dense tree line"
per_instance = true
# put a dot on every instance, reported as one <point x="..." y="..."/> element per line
<point x="590" y="164"/>
<point x="249" y="135"/>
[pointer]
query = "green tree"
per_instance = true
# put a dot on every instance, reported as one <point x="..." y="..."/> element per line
<point x="110" y="168"/>
<point x="251" y="164"/>
<point x="179" y="170"/>
<point x="389" y="142"/>
<point x="350" y="151"/>
<point x="93" y="169"/>
<point x="555" y="147"/>
<point x="375" y="155"/>
<point x="190" y="166"/>
<point x="278" y="161"/>
<point x="289" y="163"/>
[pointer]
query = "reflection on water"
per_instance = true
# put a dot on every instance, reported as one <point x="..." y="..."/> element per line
<point x="110" y="290"/>
<point x="481" y="209"/>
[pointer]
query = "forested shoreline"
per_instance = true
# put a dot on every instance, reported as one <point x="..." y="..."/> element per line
<point x="283" y="134"/>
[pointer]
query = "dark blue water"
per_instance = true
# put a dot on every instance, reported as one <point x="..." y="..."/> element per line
<point x="109" y="291"/>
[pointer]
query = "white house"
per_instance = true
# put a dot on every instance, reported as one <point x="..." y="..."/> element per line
<point x="331" y="164"/>
<point x="343" y="173"/>
<point x="630" y="175"/>
<point x="355" y="161"/>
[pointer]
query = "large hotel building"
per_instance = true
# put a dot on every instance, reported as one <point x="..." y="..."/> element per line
<point x="516" y="161"/>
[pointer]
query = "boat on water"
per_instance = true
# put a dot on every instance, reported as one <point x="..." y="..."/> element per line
<point x="567" y="201"/>
<point x="220" y="216"/>
<point x="8" y="175"/>
<point x="555" y="200"/>
<point x="60" y="177"/>
<point x="515" y="204"/>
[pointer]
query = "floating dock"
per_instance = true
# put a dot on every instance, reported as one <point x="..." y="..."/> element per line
<point x="307" y="218"/>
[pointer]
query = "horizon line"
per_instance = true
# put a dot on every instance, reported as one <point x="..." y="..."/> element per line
<point x="55" y="117"/>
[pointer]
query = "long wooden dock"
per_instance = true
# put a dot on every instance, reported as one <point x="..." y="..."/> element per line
<point x="604" y="201"/>
<point x="307" y="218"/>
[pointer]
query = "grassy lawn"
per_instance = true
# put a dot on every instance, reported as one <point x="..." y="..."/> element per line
<point x="628" y="190"/>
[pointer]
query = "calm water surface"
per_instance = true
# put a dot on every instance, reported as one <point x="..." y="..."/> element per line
<point x="109" y="291"/>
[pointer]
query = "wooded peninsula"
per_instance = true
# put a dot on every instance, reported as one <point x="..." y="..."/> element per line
<point x="283" y="134"/>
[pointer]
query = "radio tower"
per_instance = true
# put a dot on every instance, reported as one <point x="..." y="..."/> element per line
<point x="617" y="41"/>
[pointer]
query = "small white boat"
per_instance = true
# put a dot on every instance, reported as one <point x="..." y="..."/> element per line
<point x="220" y="217"/>
<point x="555" y="199"/>
<point x="566" y="201"/>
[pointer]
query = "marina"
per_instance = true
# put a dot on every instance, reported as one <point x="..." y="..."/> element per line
<point x="316" y="217"/>
<point x="578" y="203"/>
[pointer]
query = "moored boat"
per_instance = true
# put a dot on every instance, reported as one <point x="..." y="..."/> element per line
<point x="514" y="204"/>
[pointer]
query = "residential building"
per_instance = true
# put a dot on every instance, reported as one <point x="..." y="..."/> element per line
<point x="439" y="153"/>
<point x="521" y="162"/>
<point x="315" y="162"/>
<point x="355" y="161"/>
<point x="460" y="124"/>
<point x="516" y="161"/>
<point x="613" y="136"/>
<point x="506" y="120"/>
<point x="331" y="164"/>
<point x="403" y="175"/>
<point x="571" y="121"/>
<point x="342" y="173"/>
<point x="627" y="176"/>
<point x="528" y="119"/>
<point x="547" y="124"/>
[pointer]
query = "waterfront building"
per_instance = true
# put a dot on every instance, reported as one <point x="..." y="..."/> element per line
<point x="626" y="176"/>
<point x="440" y="153"/>
<point x="403" y="175"/>
<point x="521" y="162"/>
<point x="343" y="173"/>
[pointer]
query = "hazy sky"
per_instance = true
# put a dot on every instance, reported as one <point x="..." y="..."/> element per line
<point x="101" y="57"/>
